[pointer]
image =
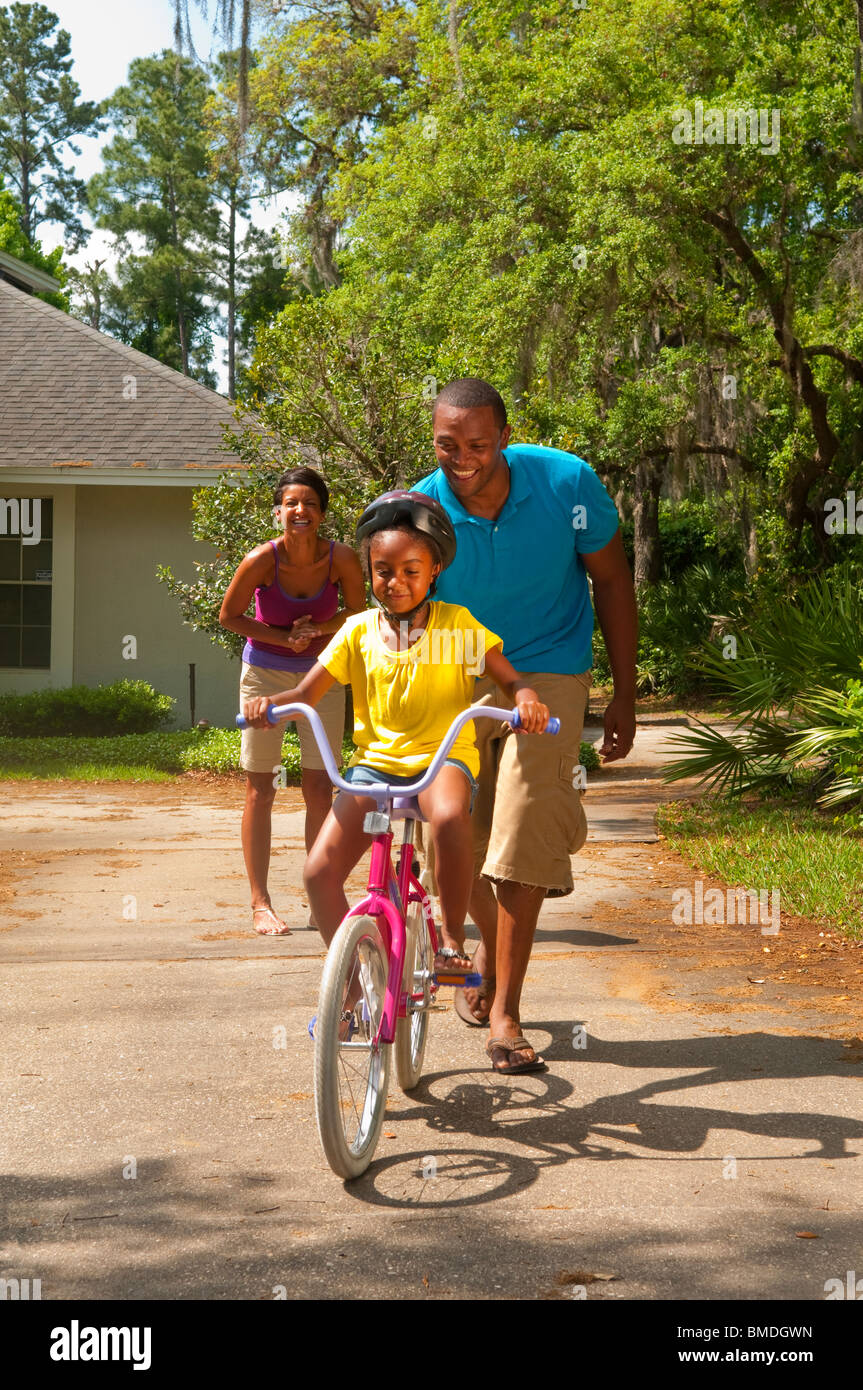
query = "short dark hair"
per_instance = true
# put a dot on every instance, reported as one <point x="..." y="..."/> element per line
<point x="305" y="477"/>
<point x="470" y="393"/>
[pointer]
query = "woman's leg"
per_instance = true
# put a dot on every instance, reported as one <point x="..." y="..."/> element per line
<point x="446" y="807"/>
<point x="318" y="796"/>
<point x="338" y="847"/>
<point x="256" y="835"/>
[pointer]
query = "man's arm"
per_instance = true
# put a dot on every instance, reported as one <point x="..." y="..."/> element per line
<point x="614" y="600"/>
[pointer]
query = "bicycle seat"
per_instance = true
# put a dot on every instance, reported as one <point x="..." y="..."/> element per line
<point x="406" y="808"/>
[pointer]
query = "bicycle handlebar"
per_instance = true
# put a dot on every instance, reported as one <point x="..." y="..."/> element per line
<point x="382" y="791"/>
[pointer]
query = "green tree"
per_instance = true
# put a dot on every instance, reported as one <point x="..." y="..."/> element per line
<point x="247" y="265"/>
<point x="156" y="186"/>
<point x="15" y="243"/>
<point x="40" y="117"/>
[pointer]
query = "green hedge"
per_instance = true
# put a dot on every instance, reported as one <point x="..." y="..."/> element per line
<point x="126" y="707"/>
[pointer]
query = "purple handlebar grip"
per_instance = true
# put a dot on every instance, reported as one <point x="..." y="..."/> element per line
<point x="553" y="726"/>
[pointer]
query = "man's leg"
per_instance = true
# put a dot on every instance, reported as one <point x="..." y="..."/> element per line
<point x="518" y="906"/>
<point x="538" y="823"/>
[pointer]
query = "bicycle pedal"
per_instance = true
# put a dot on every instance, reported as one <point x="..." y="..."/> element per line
<point x="459" y="979"/>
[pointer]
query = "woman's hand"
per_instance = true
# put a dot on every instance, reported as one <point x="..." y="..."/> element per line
<point x="302" y="633"/>
<point x="532" y="712"/>
<point x="255" y="712"/>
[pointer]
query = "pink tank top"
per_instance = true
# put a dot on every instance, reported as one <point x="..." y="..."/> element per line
<point x="278" y="609"/>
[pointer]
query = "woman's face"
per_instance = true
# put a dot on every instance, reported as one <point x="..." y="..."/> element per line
<point x="300" y="512"/>
<point x="402" y="570"/>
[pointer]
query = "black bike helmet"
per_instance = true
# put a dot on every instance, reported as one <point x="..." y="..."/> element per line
<point x="420" y="511"/>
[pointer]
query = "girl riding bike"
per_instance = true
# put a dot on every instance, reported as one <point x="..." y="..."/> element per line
<point x="411" y="662"/>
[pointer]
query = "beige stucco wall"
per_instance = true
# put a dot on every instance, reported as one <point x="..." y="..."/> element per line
<point x="121" y="535"/>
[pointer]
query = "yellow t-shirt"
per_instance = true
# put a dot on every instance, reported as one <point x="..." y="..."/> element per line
<point x="404" y="702"/>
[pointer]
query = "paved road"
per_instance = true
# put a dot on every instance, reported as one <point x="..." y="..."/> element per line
<point x="159" y="1136"/>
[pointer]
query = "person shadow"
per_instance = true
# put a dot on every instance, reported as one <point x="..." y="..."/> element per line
<point x="538" y="1110"/>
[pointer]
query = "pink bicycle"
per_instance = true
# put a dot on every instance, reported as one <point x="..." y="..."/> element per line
<point x="378" y="983"/>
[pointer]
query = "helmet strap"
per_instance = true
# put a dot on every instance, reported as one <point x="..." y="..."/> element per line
<point x="398" y="618"/>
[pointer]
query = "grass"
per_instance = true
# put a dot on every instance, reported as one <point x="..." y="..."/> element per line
<point x="157" y="757"/>
<point x="815" y="860"/>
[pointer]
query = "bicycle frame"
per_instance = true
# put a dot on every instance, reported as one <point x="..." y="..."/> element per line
<point x="383" y="879"/>
<point x="391" y="916"/>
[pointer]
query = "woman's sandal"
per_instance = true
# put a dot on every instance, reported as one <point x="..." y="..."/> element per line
<point x="274" y="926"/>
<point x="462" y="1007"/>
<point x="508" y="1046"/>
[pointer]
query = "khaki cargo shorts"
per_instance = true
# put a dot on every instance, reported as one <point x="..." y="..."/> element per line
<point x="528" y="817"/>
<point x="261" y="749"/>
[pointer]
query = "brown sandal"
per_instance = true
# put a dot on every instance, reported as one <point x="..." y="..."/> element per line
<point x="510" y="1045"/>
<point x="462" y="1007"/>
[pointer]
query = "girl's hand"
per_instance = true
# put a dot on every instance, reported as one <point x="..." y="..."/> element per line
<point x="532" y="712"/>
<point x="255" y="712"/>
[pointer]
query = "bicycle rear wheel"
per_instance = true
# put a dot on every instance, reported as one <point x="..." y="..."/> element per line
<point x="412" y="1030"/>
<point x="351" y="1072"/>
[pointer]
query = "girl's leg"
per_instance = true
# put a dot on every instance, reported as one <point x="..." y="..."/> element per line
<point x="446" y="807"/>
<point x="337" y="849"/>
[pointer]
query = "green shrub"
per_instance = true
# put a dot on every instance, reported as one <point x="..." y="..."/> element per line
<point x="126" y="707"/>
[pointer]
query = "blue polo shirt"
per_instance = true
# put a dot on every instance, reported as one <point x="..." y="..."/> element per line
<point x="521" y="575"/>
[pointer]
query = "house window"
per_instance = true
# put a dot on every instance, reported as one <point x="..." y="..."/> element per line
<point x="26" y="573"/>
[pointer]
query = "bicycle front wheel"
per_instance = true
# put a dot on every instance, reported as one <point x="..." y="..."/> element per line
<point x="351" y="1067"/>
<point x="412" y="1030"/>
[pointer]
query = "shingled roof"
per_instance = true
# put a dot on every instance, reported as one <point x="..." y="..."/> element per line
<point x="73" y="397"/>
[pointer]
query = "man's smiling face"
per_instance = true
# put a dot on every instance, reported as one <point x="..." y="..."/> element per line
<point x="468" y="443"/>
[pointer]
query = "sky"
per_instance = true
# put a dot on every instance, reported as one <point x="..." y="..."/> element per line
<point x="105" y="36"/>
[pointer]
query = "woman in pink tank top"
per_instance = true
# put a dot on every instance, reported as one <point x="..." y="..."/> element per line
<point x="295" y="583"/>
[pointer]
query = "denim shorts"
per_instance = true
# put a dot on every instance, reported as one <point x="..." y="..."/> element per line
<point x="364" y="776"/>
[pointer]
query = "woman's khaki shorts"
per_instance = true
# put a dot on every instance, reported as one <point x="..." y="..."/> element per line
<point x="261" y="749"/>
<point x="528" y="817"/>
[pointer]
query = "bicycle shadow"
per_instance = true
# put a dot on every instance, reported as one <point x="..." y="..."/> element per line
<point x="536" y="1112"/>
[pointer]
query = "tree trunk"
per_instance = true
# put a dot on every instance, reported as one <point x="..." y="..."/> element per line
<point x="453" y="46"/>
<point x="750" y="538"/>
<point x="181" y="317"/>
<point x="648" y="550"/>
<point x="232" y="293"/>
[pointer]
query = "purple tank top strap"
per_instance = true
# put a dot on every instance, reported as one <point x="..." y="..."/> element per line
<point x="275" y="546"/>
<point x="330" y="570"/>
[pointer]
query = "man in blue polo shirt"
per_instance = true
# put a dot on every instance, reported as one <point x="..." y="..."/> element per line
<point x="531" y="524"/>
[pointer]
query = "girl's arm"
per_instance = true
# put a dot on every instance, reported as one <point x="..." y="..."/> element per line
<point x="311" y="689"/>
<point x="532" y="712"/>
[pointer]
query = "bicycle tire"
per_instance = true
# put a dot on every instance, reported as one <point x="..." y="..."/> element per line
<point x="412" y="1030"/>
<point x="352" y="1075"/>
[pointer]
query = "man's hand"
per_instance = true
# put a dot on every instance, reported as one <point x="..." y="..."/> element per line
<point x="532" y="713"/>
<point x="619" y="729"/>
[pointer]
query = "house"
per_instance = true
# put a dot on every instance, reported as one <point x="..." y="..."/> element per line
<point x="101" y="448"/>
